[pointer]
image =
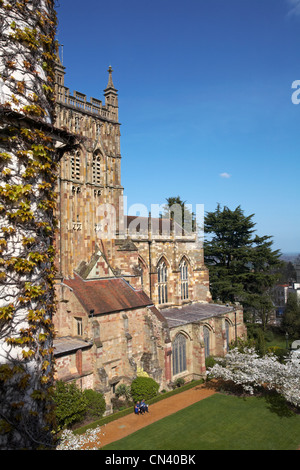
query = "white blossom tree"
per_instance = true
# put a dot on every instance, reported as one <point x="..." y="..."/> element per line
<point x="250" y="371"/>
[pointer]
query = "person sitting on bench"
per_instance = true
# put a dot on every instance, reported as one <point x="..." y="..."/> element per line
<point x="144" y="407"/>
<point x="137" y="408"/>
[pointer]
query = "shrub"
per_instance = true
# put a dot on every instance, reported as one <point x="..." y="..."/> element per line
<point x="123" y="391"/>
<point x="209" y="361"/>
<point x="95" y="403"/>
<point x="118" y="404"/>
<point x="144" y="388"/>
<point x="261" y="343"/>
<point x="269" y="336"/>
<point x="278" y="352"/>
<point x="179" y="382"/>
<point x="71" y="404"/>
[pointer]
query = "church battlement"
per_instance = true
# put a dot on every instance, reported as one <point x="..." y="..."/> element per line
<point x="78" y="101"/>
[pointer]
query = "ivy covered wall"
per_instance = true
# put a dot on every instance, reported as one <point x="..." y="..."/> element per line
<point x="28" y="165"/>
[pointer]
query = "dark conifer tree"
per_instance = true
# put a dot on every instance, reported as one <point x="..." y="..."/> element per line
<point x="242" y="265"/>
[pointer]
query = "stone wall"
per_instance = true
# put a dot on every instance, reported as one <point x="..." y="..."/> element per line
<point x="218" y="341"/>
<point x="150" y="252"/>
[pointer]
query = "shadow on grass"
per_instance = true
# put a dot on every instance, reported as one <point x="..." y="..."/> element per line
<point x="278" y="405"/>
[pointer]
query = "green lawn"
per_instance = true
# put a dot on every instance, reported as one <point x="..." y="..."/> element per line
<point x="220" y="422"/>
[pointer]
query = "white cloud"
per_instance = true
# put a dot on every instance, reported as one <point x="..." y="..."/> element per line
<point x="294" y="7"/>
<point x="225" y="175"/>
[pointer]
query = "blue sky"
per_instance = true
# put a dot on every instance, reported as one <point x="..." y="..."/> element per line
<point x="205" y="90"/>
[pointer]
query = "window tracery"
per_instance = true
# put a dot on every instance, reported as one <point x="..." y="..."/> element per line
<point x="162" y="277"/>
<point x="184" y="280"/>
<point x="179" y="354"/>
<point x="206" y="334"/>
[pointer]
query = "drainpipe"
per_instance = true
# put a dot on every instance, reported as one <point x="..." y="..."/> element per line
<point x="150" y="268"/>
<point x="60" y="225"/>
<point x="150" y="260"/>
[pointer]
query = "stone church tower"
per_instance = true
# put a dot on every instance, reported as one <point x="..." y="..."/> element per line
<point x="133" y="293"/>
<point x="90" y="179"/>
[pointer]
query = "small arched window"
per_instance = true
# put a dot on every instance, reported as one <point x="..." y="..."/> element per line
<point x="184" y="279"/>
<point x="227" y="331"/>
<point x="141" y="271"/>
<point x="179" y="354"/>
<point x="162" y="277"/>
<point x="206" y="335"/>
<point x="77" y="123"/>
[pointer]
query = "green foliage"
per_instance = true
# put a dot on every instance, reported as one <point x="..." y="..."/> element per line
<point x="256" y="338"/>
<point x="123" y="391"/>
<point x="261" y="343"/>
<point x="179" y="382"/>
<point x="95" y="403"/>
<point x="209" y="362"/>
<point x="280" y="353"/>
<point x="269" y="336"/>
<point x="287" y="272"/>
<point x="291" y="318"/>
<point x="144" y="388"/>
<point x="71" y="404"/>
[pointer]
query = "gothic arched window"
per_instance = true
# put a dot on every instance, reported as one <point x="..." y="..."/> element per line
<point x="179" y="354"/>
<point x="77" y="123"/>
<point x="227" y="330"/>
<point x="162" y="276"/>
<point x="142" y="268"/>
<point x="184" y="279"/>
<point x="206" y="335"/>
<point x="96" y="168"/>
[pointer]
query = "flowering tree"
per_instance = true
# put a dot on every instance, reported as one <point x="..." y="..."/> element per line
<point x="70" y="441"/>
<point x="250" y="371"/>
<point x="28" y="163"/>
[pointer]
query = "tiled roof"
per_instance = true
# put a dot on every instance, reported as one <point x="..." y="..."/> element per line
<point x="67" y="345"/>
<point x="193" y="313"/>
<point x="102" y="296"/>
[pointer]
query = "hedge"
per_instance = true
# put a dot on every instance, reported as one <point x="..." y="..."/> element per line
<point x="128" y="411"/>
